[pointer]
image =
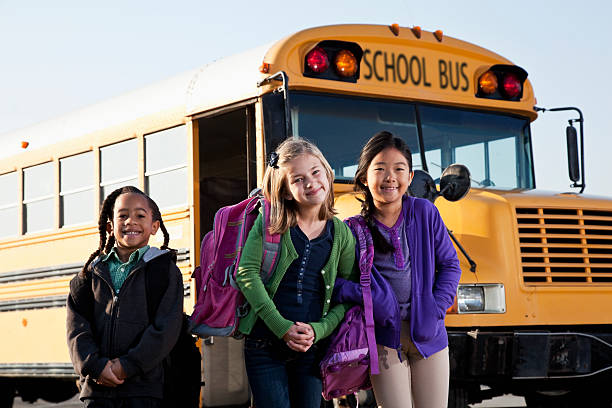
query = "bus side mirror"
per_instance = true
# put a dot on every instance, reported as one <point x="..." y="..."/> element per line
<point x="455" y="182"/>
<point x="572" y="153"/>
<point x="423" y="186"/>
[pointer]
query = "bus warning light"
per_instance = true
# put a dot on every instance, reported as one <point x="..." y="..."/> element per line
<point x="438" y="34"/>
<point x="317" y="60"/>
<point x="394" y="29"/>
<point x="488" y="82"/>
<point x="264" y="68"/>
<point x="346" y="63"/>
<point x="24" y="144"/>
<point x="511" y="85"/>
<point x="416" y="30"/>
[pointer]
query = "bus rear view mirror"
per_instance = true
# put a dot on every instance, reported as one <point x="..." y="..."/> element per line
<point x="423" y="186"/>
<point x="455" y="182"/>
<point x="572" y="153"/>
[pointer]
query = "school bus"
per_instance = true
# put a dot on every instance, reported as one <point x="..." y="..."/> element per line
<point x="531" y="314"/>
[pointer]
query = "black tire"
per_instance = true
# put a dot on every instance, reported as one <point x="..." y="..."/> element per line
<point x="457" y="397"/>
<point x="57" y="391"/>
<point x="7" y="394"/>
<point x="557" y="400"/>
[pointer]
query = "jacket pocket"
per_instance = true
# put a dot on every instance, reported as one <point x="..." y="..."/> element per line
<point x="426" y="318"/>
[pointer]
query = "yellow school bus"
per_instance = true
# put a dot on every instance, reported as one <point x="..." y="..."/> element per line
<point x="531" y="315"/>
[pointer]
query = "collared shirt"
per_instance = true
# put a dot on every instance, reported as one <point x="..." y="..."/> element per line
<point x="119" y="270"/>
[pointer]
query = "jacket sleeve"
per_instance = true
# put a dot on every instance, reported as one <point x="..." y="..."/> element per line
<point x="249" y="281"/>
<point x="345" y="270"/>
<point x="161" y="335"/>
<point x="448" y="271"/>
<point x="83" y="348"/>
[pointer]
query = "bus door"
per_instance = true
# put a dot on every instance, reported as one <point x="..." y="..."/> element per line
<point x="227" y="172"/>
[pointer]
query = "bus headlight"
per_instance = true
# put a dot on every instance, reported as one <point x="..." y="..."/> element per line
<point x="481" y="298"/>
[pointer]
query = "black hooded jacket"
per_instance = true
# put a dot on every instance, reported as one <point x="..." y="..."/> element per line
<point x="109" y="325"/>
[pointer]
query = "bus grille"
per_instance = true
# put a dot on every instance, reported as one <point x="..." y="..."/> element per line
<point x="565" y="247"/>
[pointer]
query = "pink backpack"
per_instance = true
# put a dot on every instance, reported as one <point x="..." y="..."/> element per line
<point x="220" y="304"/>
<point x="352" y="356"/>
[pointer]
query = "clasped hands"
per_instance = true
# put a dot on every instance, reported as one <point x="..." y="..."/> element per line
<point x="112" y="375"/>
<point x="299" y="337"/>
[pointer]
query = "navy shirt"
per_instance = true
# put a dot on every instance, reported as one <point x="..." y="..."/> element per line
<point x="299" y="297"/>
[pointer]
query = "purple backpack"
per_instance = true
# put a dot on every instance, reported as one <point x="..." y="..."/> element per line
<point x="219" y="302"/>
<point x="352" y="355"/>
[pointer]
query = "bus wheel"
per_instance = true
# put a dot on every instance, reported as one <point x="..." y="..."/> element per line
<point x="561" y="399"/>
<point x="457" y="397"/>
<point x="57" y="391"/>
<point x="7" y="394"/>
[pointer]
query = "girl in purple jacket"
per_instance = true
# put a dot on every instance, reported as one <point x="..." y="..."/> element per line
<point x="415" y="256"/>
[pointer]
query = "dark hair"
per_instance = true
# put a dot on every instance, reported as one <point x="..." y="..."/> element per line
<point x="106" y="214"/>
<point x="375" y="145"/>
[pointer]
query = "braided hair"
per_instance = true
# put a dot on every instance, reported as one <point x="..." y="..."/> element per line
<point x="379" y="142"/>
<point x="106" y="215"/>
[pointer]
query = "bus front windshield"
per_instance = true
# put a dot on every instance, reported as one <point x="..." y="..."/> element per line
<point x="495" y="147"/>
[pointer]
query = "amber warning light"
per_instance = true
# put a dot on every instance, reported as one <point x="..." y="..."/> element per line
<point x="334" y="60"/>
<point x="503" y="82"/>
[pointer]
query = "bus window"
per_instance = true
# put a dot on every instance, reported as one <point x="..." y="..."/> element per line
<point x="77" y="189"/>
<point x="38" y="197"/>
<point x="9" y="202"/>
<point x="340" y="126"/>
<point x="494" y="147"/>
<point x="118" y="166"/>
<point x="166" y="166"/>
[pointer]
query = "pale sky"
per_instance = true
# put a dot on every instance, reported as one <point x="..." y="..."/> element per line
<point x="63" y="55"/>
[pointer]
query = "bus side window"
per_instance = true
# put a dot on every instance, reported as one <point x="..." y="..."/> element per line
<point x="166" y="167"/>
<point x="9" y="200"/>
<point x="38" y="195"/>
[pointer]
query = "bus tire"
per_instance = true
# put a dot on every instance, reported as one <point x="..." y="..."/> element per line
<point x="7" y="394"/>
<point x="536" y="399"/>
<point x="57" y="391"/>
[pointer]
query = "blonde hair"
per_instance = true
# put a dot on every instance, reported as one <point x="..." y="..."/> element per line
<point x="283" y="212"/>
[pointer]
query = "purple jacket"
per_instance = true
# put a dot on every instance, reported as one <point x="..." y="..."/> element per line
<point x="435" y="276"/>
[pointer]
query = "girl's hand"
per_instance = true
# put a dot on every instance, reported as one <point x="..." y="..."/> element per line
<point x="299" y="337"/>
<point x="107" y="377"/>
<point x="117" y="369"/>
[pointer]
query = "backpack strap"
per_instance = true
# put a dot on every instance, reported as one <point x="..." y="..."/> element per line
<point x="366" y="260"/>
<point x="271" y="244"/>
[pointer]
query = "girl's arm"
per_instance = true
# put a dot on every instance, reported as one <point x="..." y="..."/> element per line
<point x="160" y="335"/>
<point x="83" y="348"/>
<point x="448" y="271"/>
<point x="345" y="270"/>
<point x="249" y="281"/>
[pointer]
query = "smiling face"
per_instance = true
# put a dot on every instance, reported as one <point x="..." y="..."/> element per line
<point x="307" y="181"/>
<point x="388" y="177"/>
<point x="132" y="224"/>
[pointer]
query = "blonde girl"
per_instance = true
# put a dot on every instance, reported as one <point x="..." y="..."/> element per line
<point x="291" y="313"/>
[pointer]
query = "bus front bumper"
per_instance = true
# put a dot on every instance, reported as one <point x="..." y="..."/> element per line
<point x="528" y="356"/>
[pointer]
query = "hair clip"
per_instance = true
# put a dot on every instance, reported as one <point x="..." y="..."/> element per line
<point x="273" y="160"/>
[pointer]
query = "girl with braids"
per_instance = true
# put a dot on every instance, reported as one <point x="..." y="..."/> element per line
<point x="116" y="347"/>
<point x="415" y="257"/>
<point x="291" y="313"/>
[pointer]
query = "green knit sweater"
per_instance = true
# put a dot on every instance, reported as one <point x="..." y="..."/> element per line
<point x="260" y="297"/>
